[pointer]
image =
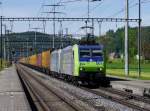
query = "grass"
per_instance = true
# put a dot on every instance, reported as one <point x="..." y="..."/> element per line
<point x="116" y="68"/>
<point x="3" y="64"/>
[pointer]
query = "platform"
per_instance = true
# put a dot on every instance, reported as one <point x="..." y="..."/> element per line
<point x="12" y="96"/>
<point x="139" y="87"/>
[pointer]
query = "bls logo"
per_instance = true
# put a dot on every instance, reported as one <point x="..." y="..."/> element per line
<point x="98" y="63"/>
<point x="91" y="60"/>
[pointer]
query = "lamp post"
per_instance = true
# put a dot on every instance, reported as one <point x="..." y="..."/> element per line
<point x="27" y="47"/>
<point x="7" y="39"/>
<point x="1" y="41"/>
<point x="88" y="13"/>
<point x="4" y="45"/>
<point x="126" y="39"/>
<point x="100" y="25"/>
<point x="139" y="41"/>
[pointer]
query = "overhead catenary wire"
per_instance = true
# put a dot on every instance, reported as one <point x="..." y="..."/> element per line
<point x="69" y="1"/>
<point x="122" y="10"/>
<point x="54" y="12"/>
<point x="41" y="9"/>
<point x="95" y="7"/>
<point x="131" y="6"/>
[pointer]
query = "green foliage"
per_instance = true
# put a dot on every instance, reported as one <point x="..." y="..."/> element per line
<point x="18" y="42"/>
<point x="4" y="64"/>
<point x="114" y="41"/>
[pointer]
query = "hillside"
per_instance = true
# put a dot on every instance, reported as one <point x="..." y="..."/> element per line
<point x="21" y="43"/>
<point x="115" y="41"/>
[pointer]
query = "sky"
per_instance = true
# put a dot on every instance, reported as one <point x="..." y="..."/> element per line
<point x="103" y="8"/>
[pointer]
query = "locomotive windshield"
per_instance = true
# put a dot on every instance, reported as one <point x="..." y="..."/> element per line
<point x="96" y="53"/>
<point x="85" y="53"/>
<point x="90" y="53"/>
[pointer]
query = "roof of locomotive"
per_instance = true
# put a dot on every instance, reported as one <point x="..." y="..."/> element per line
<point x="99" y="47"/>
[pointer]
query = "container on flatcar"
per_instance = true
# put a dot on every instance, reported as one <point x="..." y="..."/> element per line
<point x="28" y="60"/>
<point x="39" y="60"/>
<point x="33" y="60"/>
<point x="46" y="59"/>
<point x="55" y="61"/>
<point x="22" y="60"/>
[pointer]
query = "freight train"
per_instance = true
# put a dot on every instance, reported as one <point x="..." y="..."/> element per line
<point x="77" y="63"/>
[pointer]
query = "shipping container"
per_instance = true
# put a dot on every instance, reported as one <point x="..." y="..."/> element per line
<point x="22" y="60"/>
<point x="28" y="60"/>
<point x="46" y="59"/>
<point x="39" y="60"/>
<point x="33" y="60"/>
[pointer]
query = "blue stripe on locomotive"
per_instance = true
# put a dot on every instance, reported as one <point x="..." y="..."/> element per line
<point x="93" y="47"/>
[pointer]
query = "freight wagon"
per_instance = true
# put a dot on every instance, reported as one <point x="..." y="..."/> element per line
<point x="39" y="60"/>
<point x="33" y="60"/>
<point x="84" y="63"/>
<point x="46" y="58"/>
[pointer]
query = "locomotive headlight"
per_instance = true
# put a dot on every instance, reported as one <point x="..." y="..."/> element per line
<point x="81" y="69"/>
<point x="100" y="69"/>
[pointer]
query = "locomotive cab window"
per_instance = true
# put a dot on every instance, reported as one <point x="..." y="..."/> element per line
<point x="97" y="53"/>
<point x="84" y="53"/>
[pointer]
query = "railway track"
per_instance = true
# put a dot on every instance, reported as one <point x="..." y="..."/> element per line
<point x="49" y="98"/>
<point x="124" y="98"/>
<point x="128" y="95"/>
<point x="91" y="96"/>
